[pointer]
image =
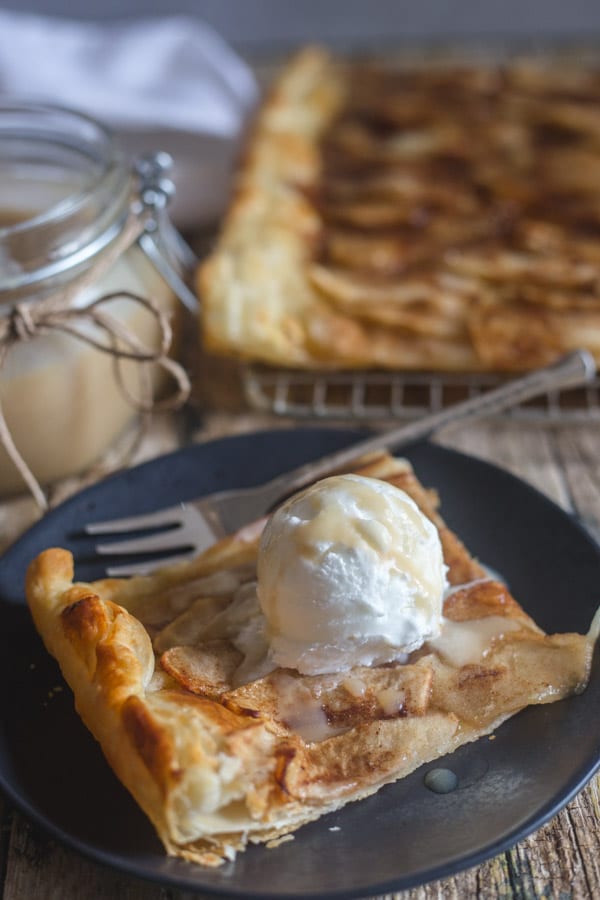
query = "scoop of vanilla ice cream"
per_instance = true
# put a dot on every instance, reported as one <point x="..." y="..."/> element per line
<point x="350" y="572"/>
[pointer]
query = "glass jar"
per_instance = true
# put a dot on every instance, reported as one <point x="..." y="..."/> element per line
<point x="66" y="196"/>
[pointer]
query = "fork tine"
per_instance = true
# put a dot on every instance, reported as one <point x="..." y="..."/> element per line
<point x="169" y="540"/>
<point x="162" y="517"/>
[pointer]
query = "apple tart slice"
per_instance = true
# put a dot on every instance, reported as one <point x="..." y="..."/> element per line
<point x="220" y="747"/>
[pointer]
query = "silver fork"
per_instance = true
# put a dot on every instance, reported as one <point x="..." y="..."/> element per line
<point x="198" y="523"/>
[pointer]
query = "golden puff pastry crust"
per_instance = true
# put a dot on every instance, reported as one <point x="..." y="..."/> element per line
<point x="220" y="753"/>
<point x="437" y="217"/>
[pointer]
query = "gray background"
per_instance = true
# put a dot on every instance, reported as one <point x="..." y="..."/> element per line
<point x="263" y="25"/>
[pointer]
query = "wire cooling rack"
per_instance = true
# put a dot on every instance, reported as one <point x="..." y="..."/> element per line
<point x="369" y="396"/>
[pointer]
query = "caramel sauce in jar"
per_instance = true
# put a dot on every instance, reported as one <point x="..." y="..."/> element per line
<point x="65" y="192"/>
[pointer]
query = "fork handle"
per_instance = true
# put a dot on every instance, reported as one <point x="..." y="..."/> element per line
<point x="571" y="370"/>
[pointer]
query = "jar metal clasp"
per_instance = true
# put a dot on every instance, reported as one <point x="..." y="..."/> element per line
<point x="161" y="242"/>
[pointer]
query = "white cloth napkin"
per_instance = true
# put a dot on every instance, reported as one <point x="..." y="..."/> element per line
<point x="162" y="84"/>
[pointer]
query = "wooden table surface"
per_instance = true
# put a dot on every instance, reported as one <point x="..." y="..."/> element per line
<point x="561" y="860"/>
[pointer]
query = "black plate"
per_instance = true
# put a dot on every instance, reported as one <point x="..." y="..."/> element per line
<point x="403" y="836"/>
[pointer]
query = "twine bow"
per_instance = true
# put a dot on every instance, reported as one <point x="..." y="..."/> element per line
<point x="93" y="324"/>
